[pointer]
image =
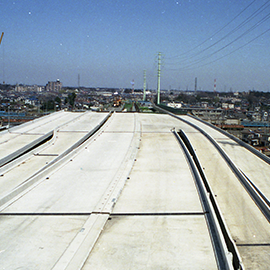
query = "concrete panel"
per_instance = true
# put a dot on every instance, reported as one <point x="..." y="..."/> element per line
<point x="157" y="123"/>
<point x="15" y="144"/>
<point x="36" y="242"/>
<point x="153" y="242"/>
<point x="54" y="124"/>
<point x="213" y="132"/>
<point x="255" y="257"/>
<point x="121" y="122"/>
<point x="61" y="142"/>
<point x="17" y="138"/>
<point x="161" y="180"/>
<point x="85" y="123"/>
<point x="244" y="219"/>
<point x="255" y="168"/>
<point x="80" y="184"/>
<point x="13" y="178"/>
<point x="5" y="137"/>
<point x="19" y="173"/>
<point x="47" y="123"/>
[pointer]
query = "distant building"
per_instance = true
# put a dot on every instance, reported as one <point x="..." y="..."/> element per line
<point x="174" y="105"/>
<point x="54" y="86"/>
<point x="19" y="88"/>
<point x="25" y="88"/>
<point x="227" y="105"/>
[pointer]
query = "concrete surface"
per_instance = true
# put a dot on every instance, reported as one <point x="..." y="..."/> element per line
<point x="153" y="242"/>
<point x="134" y="168"/>
<point x="257" y="170"/>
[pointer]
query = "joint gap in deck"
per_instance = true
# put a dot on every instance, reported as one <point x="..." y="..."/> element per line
<point x="160" y="214"/>
<point x="45" y="214"/>
<point x="254" y="245"/>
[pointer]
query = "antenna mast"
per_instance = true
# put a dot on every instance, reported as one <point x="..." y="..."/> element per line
<point x="144" y="85"/>
<point x="3" y="58"/>
<point x="158" y="85"/>
<point x="1" y="37"/>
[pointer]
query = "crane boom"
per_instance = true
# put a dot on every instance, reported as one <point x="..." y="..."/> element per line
<point x="1" y="37"/>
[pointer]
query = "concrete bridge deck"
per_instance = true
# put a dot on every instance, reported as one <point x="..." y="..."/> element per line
<point x="126" y="198"/>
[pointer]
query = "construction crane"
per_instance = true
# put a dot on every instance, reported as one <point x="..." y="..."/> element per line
<point x="1" y="37"/>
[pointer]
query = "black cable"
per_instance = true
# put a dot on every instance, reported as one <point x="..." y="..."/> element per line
<point x="227" y="53"/>
<point x="252" y="16"/>
<point x="233" y="41"/>
<point x="218" y="31"/>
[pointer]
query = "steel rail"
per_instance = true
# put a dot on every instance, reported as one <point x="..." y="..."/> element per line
<point x="240" y="142"/>
<point x="247" y="146"/>
<point x="27" y="148"/>
<point x="223" y="255"/>
<point x="228" y="239"/>
<point x="257" y="196"/>
<point x="4" y="201"/>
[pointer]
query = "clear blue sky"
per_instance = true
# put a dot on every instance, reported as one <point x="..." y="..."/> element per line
<point x="110" y="43"/>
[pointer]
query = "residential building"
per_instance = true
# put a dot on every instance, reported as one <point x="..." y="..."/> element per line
<point x="54" y="86"/>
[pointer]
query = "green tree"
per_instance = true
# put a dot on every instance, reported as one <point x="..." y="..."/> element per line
<point x="48" y="105"/>
<point x="71" y="99"/>
<point x="58" y="102"/>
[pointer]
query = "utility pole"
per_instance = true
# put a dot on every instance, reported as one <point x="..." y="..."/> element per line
<point x="1" y="37"/>
<point x="3" y="58"/>
<point x="158" y="85"/>
<point x="144" y="85"/>
<point x="195" y="86"/>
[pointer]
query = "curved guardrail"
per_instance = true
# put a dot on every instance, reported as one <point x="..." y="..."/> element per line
<point x="240" y="142"/>
<point x="50" y="166"/>
<point x="26" y="148"/>
<point x="224" y="256"/>
<point x="257" y="196"/>
<point x="227" y="237"/>
<point x="247" y="146"/>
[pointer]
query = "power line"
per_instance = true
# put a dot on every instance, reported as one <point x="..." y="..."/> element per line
<point x="252" y="16"/>
<point x="229" y="52"/>
<point x="233" y="41"/>
<point x="230" y="43"/>
<point x="257" y="24"/>
<point x="213" y="35"/>
<point x="236" y="49"/>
